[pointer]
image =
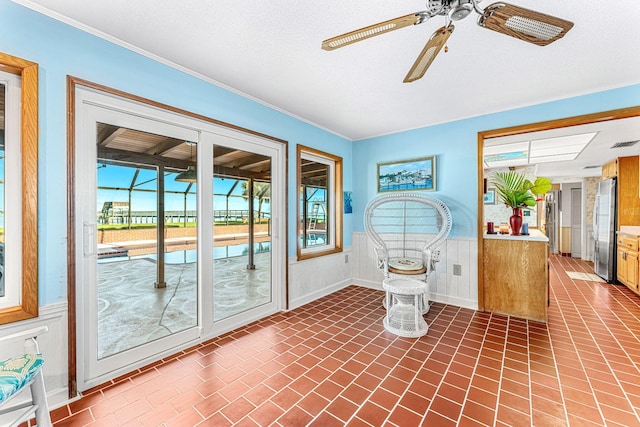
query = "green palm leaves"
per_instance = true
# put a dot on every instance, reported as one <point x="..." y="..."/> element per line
<point x="515" y="191"/>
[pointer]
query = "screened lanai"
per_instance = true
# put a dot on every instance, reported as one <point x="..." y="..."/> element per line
<point x="147" y="241"/>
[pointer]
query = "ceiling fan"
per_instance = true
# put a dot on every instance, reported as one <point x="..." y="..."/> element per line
<point x="514" y="21"/>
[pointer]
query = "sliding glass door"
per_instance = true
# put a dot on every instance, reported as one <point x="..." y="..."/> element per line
<point x="241" y="231"/>
<point x="139" y="294"/>
<point x="171" y="249"/>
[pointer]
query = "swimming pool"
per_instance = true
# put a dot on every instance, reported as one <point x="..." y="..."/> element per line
<point x="190" y="255"/>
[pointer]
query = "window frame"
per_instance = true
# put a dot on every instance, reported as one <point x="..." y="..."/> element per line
<point x="27" y="308"/>
<point x="334" y="233"/>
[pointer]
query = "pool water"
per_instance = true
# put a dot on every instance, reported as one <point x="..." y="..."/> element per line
<point x="190" y="255"/>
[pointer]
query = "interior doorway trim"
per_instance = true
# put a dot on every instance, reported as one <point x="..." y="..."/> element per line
<point x="72" y="84"/>
<point x="603" y="116"/>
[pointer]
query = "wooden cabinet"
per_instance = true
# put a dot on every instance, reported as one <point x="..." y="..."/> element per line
<point x="628" y="261"/>
<point x="516" y="276"/>
<point x="631" y="260"/>
<point x="610" y="169"/>
<point x="628" y="186"/>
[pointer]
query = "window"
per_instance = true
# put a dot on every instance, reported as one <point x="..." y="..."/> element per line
<point x="18" y="181"/>
<point x="319" y="203"/>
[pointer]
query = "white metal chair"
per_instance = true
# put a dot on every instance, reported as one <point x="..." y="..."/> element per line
<point x="19" y="373"/>
<point x="406" y="229"/>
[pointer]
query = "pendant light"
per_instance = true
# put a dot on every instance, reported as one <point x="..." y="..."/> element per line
<point x="188" y="175"/>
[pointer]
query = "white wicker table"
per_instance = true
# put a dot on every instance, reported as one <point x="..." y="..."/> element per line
<point x="404" y="302"/>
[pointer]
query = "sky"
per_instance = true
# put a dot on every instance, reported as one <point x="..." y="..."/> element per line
<point x="120" y="177"/>
<point x="409" y="166"/>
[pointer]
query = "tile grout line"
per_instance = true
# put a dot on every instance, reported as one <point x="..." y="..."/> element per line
<point x="354" y="415"/>
<point x="553" y="355"/>
<point x="475" y="368"/>
<point x="614" y="337"/>
<point x="442" y="380"/>
<point x="566" y="326"/>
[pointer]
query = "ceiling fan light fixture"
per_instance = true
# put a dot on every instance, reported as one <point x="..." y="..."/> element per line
<point x="518" y="22"/>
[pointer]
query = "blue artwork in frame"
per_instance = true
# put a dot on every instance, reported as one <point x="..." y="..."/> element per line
<point x="490" y="197"/>
<point x="415" y="174"/>
<point x="348" y="208"/>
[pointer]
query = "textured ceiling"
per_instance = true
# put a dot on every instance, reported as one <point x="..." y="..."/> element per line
<point x="270" y="51"/>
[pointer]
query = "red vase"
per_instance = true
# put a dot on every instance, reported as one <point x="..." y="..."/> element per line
<point x="515" y="221"/>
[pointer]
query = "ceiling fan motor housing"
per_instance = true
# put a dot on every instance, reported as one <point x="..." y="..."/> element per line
<point x="436" y="6"/>
<point x="455" y="9"/>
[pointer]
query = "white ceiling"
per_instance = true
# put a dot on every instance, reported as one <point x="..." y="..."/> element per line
<point x="270" y="51"/>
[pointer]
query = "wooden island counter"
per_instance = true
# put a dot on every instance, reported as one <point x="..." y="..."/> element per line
<point x="516" y="277"/>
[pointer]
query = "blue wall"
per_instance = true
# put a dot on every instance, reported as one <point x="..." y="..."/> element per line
<point x="455" y="147"/>
<point x="62" y="50"/>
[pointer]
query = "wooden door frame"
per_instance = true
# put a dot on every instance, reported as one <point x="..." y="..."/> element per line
<point x="72" y="84"/>
<point x="603" y="116"/>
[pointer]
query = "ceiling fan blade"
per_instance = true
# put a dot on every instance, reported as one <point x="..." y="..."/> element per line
<point x="524" y="24"/>
<point x="429" y="53"/>
<point x="372" y="30"/>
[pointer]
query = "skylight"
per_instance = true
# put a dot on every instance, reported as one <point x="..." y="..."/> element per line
<point x="558" y="149"/>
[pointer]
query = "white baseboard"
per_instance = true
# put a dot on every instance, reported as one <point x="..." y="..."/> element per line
<point x="368" y="284"/>
<point x="305" y="299"/>
<point x="459" y="302"/>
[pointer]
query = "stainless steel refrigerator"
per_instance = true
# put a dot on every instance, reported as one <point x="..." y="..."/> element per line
<point x="551" y="209"/>
<point x="604" y="230"/>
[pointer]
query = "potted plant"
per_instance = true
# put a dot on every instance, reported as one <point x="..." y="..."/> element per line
<point x="518" y="193"/>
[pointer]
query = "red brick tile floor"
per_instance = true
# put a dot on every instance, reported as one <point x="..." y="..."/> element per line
<point x="331" y="363"/>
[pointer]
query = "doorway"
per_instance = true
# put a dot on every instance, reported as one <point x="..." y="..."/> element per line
<point x="178" y="224"/>
<point x="631" y="113"/>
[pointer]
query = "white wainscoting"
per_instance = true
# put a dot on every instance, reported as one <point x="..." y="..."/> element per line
<point x="443" y="285"/>
<point x="53" y="346"/>
<point x="314" y="278"/>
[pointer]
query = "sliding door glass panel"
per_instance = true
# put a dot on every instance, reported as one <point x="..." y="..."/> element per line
<point x="146" y="238"/>
<point x="241" y="232"/>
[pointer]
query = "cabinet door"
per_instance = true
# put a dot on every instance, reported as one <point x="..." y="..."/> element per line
<point x="632" y="270"/>
<point x="622" y="266"/>
<point x="610" y="169"/>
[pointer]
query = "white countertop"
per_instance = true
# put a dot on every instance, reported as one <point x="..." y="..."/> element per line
<point x="633" y="230"/>
<point x="534" y="235"/>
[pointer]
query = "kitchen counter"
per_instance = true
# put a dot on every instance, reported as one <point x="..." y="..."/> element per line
<point x="534" y="235"/>
<point x="632" y="230"/>
<point x="515" y="272"/>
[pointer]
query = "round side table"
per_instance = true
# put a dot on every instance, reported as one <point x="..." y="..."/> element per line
<point x="404" y="298"/>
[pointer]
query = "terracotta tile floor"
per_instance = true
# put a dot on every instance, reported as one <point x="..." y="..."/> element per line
<point x="331" y="363"/>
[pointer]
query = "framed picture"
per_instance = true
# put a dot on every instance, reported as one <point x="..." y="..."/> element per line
<point x="490" y="197"/>
<point x="403" y="175"/>
<point x="347" y="202"/>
